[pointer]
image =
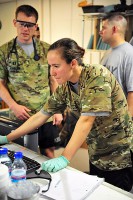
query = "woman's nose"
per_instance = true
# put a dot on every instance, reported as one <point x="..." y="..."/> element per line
<point x="52" y="71"/>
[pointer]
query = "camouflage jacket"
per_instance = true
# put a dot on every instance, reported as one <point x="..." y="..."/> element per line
<point x="27" y="79"/>
<point x="98" y="91"/>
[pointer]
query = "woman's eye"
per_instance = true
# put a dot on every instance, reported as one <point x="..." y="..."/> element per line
<point x="56" y="66"/>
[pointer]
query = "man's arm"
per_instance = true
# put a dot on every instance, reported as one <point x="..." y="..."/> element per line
<point x="30" y="125"/>
<point x="20" y="111"/>
<point x="5" y="95"/>
<point x="130" y="102"/>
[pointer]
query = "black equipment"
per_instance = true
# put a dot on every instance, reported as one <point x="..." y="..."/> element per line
<point x="31" y="164"/>
<point x="7" y="125"/>
<point x="30" y="141"/>
<point x="123" y="7"/>
<point x="36" y="56"/>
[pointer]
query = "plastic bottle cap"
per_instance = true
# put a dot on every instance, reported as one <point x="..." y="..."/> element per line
<point x="18" y="154"/>
<point x="3" y="150"/>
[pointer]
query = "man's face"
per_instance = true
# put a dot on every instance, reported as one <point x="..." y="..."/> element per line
<point x="37" y="34"/>
<point x="26" y="27"/>
<point x="106" y="32"/>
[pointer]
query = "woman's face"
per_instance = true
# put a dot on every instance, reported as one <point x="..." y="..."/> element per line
<point x="61" y="71"/>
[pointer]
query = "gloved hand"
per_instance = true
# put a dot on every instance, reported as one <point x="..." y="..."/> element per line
<point x="55" y="164"/>
<point x="3" y="140"/>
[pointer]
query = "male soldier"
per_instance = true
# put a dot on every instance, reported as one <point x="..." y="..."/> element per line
<point x="119" y="58"/>
<point x="24" y="83"/>
<point x="37" y="33"/>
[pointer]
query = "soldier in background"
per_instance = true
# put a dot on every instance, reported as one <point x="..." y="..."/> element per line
<point x="37" y="33"/>
<point x="96" y="98"/>
<point x="119" y="58"/>
<point x="25" y="82"/>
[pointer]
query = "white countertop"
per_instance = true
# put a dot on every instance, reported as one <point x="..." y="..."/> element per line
<point x="104" y="192"/>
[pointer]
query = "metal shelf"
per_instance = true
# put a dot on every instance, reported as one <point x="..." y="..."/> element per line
<point x="97" y="17"/>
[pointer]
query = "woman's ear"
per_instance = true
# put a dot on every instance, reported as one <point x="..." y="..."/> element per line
<point x="74" y="63"/>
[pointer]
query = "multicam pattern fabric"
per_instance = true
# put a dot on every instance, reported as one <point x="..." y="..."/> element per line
<point x="110" y="138"/>
<point x="27" y="79"/>
<point x="68" y="126"/>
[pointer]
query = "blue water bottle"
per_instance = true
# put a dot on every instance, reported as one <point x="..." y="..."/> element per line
<point x="4" y="158"/>
<point x="19" y="168"/>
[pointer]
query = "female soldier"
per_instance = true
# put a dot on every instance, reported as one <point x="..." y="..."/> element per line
<point x="93" y="94"/>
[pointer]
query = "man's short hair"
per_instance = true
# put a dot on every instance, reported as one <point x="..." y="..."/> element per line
<point x="117" y="19"/>
<point x="27" y="10"/>
<point x="113" y="16"/>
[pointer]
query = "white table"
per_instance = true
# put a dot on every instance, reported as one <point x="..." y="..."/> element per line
<point x="104" y="192"/>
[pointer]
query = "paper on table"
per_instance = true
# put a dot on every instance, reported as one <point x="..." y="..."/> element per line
<point x="72" y="185"/>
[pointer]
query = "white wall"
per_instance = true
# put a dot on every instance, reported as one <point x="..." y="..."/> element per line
<point x="57" y="19"/>
<point x="64" y="18"/>
<point x="7" y="11"/>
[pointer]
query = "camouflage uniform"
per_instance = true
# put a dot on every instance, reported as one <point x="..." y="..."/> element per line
<point x="98" y="91"/>
<point x="68" y="126"/>
<point x="27" y="79"/>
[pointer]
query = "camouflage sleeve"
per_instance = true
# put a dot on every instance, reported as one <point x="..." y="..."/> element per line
<point x="52" y="82"/>
<point x="45" y="46"/>
<point x="68" y="126"/>
<point x="3" y="58"/>
<point x="56" y="103"/>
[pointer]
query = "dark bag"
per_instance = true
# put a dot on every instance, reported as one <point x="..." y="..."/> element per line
<point x="49" y="135"/>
